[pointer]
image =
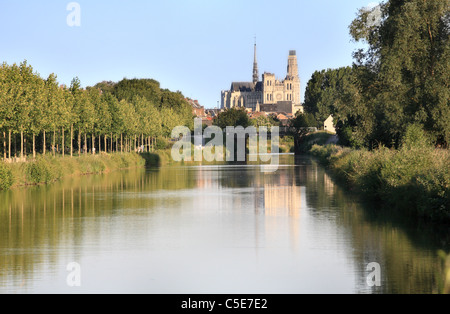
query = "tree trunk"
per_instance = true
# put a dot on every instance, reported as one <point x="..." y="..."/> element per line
<point x="62" y="142"/>
<point x="21" y="144"/>
<point x="79" y="142"/>
<point x="44" y="149"/>
<point x="111" y="143"/>
<point x="71" y="140"/>
<point x="99" y="143"/>
<point x="54" y="142"/>
<point x="4" y="145"/>
<point x="85" y="144"/>
<point x="93" y="144"/>
<point x="9" y="145"/>
<point x="106" y="145"/>
<point x="34" y="146"/>
<point x="121" y="142"/>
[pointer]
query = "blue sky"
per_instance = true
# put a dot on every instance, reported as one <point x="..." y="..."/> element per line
<point x="196" y="46"/>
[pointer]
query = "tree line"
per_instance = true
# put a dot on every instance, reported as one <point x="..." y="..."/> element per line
<point x="401" y="79"/>
<point x="41" y="116"/>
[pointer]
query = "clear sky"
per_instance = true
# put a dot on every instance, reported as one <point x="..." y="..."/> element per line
<point x="196" y="46"/>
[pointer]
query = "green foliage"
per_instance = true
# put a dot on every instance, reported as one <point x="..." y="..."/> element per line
<point x="233" y="118"/>
<point x="146" y="88"/>
<point x="286" y="144"/>
<point x="304" y="120"/>
<point x="310" y="140"/>
<point x="152" y="160"/>
<point x="30" y="105"/>
<point x="46" y="169"/>
<point x="162" y="144"/>
<point x="403" y="76"/>
<point x="6" y="177"/>
<point x="264" y="121"/>
<point x="107" y="87"/>
<point x="416" y="138"/>
<point x="43" y="170"/>
<point x="401" y="79"/>
<point x="328" y="93"/>
<point x="413" y="180"/>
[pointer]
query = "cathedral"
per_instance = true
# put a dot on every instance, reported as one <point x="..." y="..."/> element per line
<point x="268" y="95"/>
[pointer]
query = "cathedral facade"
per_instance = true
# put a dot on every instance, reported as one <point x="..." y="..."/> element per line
<point x="268" y="95"/>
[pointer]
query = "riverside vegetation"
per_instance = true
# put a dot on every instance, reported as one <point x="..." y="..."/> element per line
<point x="414" y="179"/>
<point x="41" y="116"/>
<point x="391" y="108"/>
<point x="42" y="122"/>
<point x="47" y="169"/>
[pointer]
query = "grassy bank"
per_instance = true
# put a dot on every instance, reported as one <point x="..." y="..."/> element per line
<point x="415" y="180"/>
<point x="47" y="169"/>
<point x="286" y="144"/>
<point x="318" y="138"/>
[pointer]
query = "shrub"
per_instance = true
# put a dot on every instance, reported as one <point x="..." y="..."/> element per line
<point x="318" y="138"/>
<point x="415" y="137"/>
<point x="38" y="171"/>
<point x="161" y="144"/>
<point x="6" y="176"/>
<point x="415" y="178"/>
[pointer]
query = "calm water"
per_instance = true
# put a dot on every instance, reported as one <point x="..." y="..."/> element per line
<point x="208" y="229"/>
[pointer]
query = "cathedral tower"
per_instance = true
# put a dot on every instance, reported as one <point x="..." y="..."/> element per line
<point x="255" y="69"/>
<point x="292" y="70"/>
<point x="293" y="81"/>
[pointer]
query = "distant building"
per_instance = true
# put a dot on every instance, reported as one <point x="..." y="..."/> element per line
<point x="197" y="110"/>
<point x="256" y="115"/>
<point x="284" y="119"/>
<point x="329" y="125"/>
<point x="268" y="95"/>
<point x="213" y="113"/>
<point x="208" y="121"/>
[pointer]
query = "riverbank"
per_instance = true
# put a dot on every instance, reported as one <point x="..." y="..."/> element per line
<point x="320" y="138"/>
<point x="414" y="180"/>
<point x="47" y="169"/>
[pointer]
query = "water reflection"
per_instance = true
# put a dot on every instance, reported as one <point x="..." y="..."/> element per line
<point x="208" y="229"/>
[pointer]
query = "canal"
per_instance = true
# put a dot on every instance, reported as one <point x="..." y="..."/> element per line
<point x="210" y="229"/>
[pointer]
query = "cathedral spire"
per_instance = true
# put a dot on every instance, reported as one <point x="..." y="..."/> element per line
<point x="255" y="68"/>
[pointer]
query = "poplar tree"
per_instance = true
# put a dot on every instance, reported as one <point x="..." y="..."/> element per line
<point x="3" y="105"/>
